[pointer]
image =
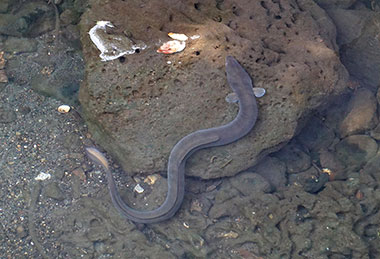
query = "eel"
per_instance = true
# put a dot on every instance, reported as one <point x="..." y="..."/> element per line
<point x="241" y="84"/>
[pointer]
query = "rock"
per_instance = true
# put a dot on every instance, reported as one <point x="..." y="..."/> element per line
<point x="316" y="135"/>
<point x="349" y="23"/>
<point x="354" y="151"/>
<point x="295" y="158"/>
<point x="358" y="39"/>
<point x="272" y="170"/>
<point x="140" y="108"/>
<point x="361" y="113"/>
<point x="329" y="161"/>
<point x="375" y="133"/>
<point x="21" y="232"/>
<point x="68" y="16"/>
<point x="3" y="77"/>
<point x="311" y="180"/>
<point x="372" y="168"/>
<point x="52" y="190"/>
<point x="20" y="45"/>
<point x="7" y="115"/>
<point x="249" y="182"/>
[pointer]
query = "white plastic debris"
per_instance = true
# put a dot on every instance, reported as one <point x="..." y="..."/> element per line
<point x="112" y="46"/>
<point x="138" y="189"/>
<point x="42" y="176"/>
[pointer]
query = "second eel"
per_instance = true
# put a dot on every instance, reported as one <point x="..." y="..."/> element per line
<point x="241" y="84"/>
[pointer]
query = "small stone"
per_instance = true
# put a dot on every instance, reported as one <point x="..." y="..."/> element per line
<point x="7" y="116"/>
<point x="295" y="158"/>
<point x="354" y="151"/>
<point x="230" y="234"/>
<point x="249" y="182"/>
<point x="53" y="191"/>
<point x="3" y="77"/>
<point x="79" y="173"/>
<point x="20" y="230"/>
<point x="273" y="170"/>
<point x="361" y="113"/>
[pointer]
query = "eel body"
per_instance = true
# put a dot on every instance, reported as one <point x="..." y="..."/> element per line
<point x="241" y="84"/>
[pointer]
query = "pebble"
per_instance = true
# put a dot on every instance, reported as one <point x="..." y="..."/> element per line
<point x="64" y="108"/>
<point x="20" y="230"/>
<point x="53" y="191"/>
<point x="361" y="113"/>
<point x="295" y="158"/>
<point x="354" y="151"/>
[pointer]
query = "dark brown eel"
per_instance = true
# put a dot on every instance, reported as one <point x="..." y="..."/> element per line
<point x="241" y="84"/>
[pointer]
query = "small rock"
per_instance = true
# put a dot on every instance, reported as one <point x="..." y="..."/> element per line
<point x="69" y="17"/>
<point x="53" y="191"/>
<point x="329" y="160"/>
<point x="361" y="113"/>
<point x="354" y="151"/>
<point x="249" y="182"/>
<point x="300" y="179"/>
<point x="79" y="173"/>
<point x="295" y="158"/>
<point x="316" y="134"/>
<point x="3" y="77"/>
<point x="20" y="230"/>
<point x="7" y="116"/>
<point x="273" y="170"/>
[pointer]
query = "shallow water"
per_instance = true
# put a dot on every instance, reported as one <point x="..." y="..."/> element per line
<point x="317" y="197"/>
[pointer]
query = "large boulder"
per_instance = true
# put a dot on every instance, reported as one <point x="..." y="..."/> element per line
<point x="140" y="106"/>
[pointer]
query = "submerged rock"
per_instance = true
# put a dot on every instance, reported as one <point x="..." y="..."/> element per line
<point x="361" y="113"/>
<point x="138" y="107"/>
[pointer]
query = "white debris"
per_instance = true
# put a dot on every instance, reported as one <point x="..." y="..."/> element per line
<point x="259" y="92"/>
<point x="172" y="46"/>
<point x="112" y="46"/>
<point x="42" y="176"/>
<point x="194" y="37"/>
<point x="138" y="189"/>
<point x="64" y="108"/>
<point x="178" y="36"/>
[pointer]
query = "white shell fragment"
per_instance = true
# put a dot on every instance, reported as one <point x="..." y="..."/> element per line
<point x="42" y="176"/>
<point x="259" y="92"/>
<point x="112" y="46"/>
<point x="64" y="108"/>
<point x="178" y="36"/>
<point x="138" y="188"/>
<point x="172" y="46"/>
